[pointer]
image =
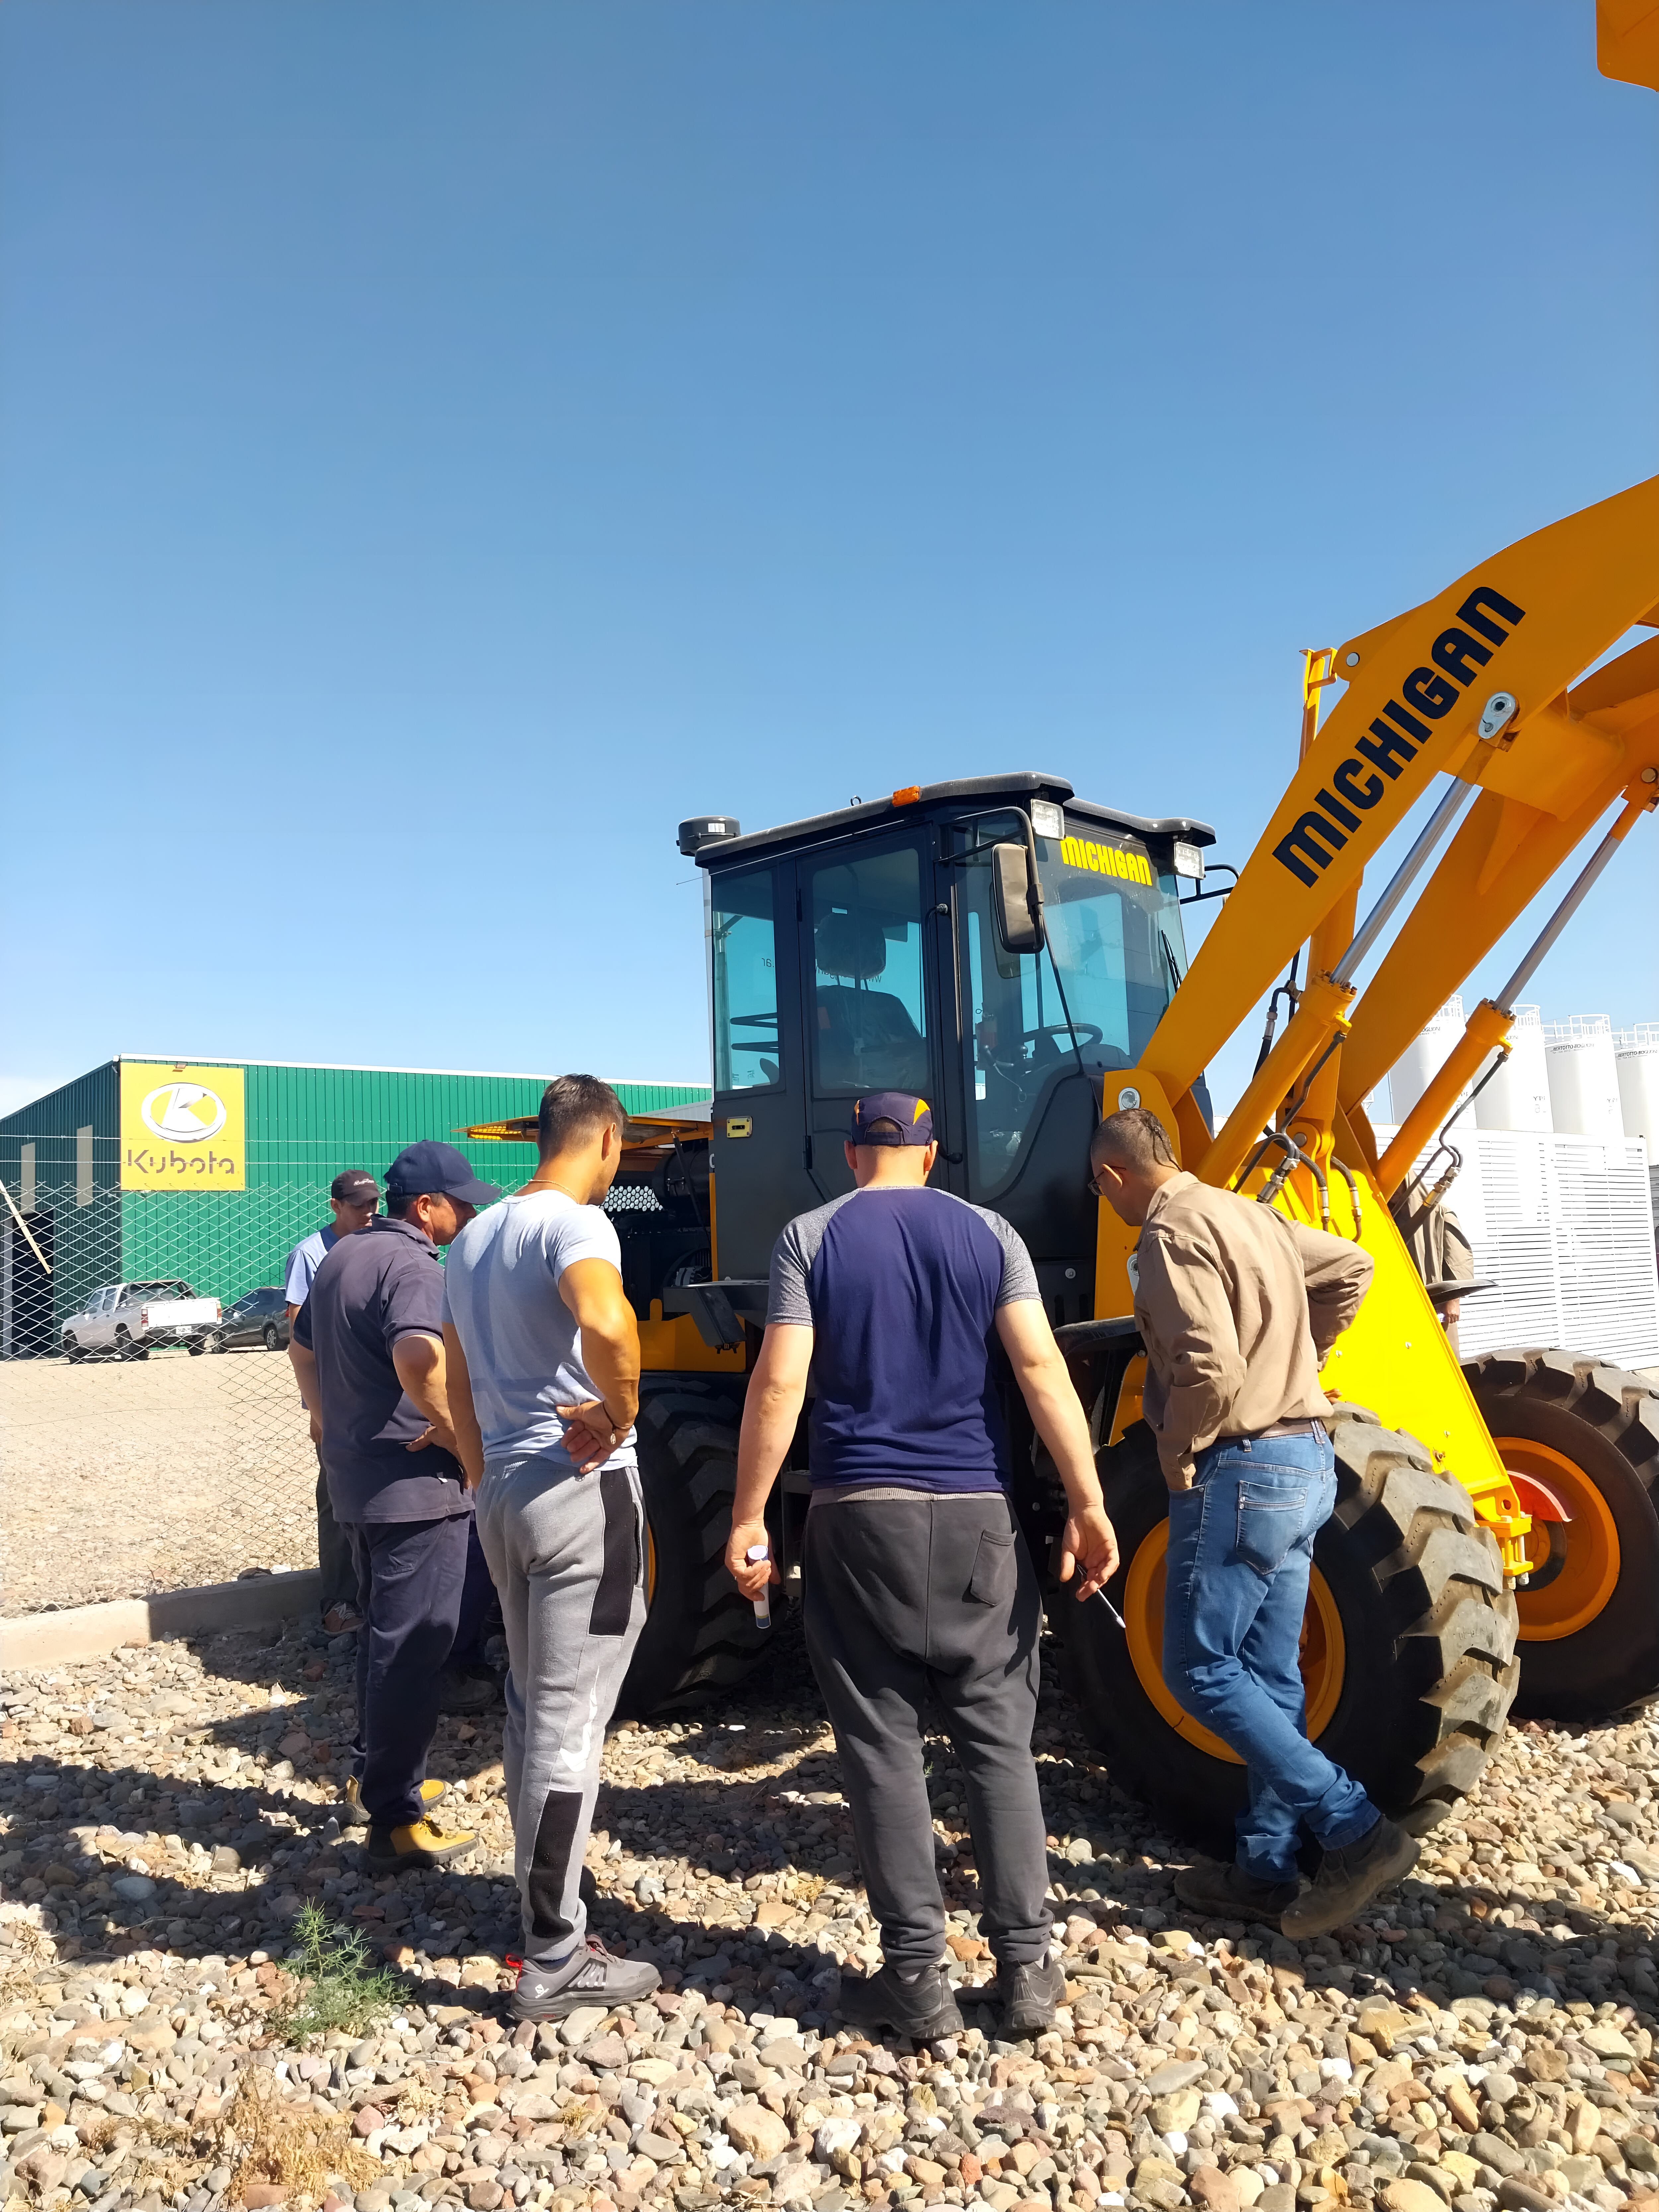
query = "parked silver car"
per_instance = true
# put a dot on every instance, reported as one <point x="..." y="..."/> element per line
<point x="123" y="1320"/>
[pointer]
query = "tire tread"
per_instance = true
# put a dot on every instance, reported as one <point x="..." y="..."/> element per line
<point x="1587" y="1675"/>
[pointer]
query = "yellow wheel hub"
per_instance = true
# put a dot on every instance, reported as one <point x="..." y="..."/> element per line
<point x="1323" y="1655"/>
<point x="1575" y="1563"/>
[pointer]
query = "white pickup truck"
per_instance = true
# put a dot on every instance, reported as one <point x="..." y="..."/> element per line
<point x="123" y="1321"/>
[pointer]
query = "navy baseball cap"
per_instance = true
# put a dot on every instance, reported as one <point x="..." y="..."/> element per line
<point x="428" y="1169"/>
<point x="356" y="1187"/>
<point x="913" y="1116"/>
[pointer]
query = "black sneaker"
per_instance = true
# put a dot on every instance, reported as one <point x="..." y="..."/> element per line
<point x="591" y="1975"/>
<point x="1228" y="1893"/>
<point x="919" y="2005"/>
<point x="1028" y="1997"/>
<point x="467" y="1690"/>
<point x="1349" y="1879"/>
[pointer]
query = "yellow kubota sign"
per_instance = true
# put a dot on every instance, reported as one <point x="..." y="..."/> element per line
<point x="182" y="1128"/>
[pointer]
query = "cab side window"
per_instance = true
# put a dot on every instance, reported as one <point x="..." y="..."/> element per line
<point x="743" y="982"/>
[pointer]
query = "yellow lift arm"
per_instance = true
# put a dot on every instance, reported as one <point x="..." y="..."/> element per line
<point x="1469" y="693"/>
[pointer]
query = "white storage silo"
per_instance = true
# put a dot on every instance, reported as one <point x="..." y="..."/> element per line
<point x="1635" y="1060"/>
<point x="1419" y="1063"/>
<point x="1583" y="1077"/>
<point x="1518" y="1096"/>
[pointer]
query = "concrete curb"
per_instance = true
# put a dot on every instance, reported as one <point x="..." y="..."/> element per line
<point x="87" y="1631"/>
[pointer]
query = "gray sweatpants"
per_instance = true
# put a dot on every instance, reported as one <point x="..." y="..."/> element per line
<point x="566" y="1551"/>
<point x="909" y="1594"/>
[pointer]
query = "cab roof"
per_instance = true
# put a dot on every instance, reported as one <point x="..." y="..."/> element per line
<point x="934" y="798"/>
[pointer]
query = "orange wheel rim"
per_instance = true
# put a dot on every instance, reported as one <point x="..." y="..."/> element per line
<point x="1580" y="1558"/>
<point x="1323" y="1653"/>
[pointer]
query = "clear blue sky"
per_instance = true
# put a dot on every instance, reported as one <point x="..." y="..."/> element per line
<point x="444" y="445"/>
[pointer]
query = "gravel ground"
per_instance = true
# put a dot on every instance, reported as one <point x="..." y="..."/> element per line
<point x="121" y="1477"/>
<point x="1486" y="2041"/>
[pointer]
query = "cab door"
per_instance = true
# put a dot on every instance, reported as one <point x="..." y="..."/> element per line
<point x="869" y="986"/>
<point x="100" y="1326"/>
<point x="760" y="1181"/>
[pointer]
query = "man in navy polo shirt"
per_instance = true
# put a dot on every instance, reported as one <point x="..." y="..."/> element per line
<point x="368" y="1349"/>
<point x="917" y="1582"/>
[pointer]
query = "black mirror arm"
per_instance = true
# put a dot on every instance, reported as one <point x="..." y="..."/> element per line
<point x="1196" y="898"/>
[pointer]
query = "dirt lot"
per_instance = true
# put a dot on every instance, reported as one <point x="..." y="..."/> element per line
<point x="119" y="1479"/>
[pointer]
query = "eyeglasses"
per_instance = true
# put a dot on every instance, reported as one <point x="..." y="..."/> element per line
<point x="1091" y="1184"/>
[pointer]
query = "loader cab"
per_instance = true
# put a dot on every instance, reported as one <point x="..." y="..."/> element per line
<point x="863" y="951"/>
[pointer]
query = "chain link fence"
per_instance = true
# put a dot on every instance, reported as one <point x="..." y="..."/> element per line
<point x="151" y="1433"/>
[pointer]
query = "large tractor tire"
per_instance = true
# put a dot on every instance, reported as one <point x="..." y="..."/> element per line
<point x="1407" y="1652"/>
<point x="700" y="1632"/>
<point x="1580" y="1438"/>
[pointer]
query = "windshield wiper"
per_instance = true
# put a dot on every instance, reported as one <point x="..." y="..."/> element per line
<point x="1169" y="954"/>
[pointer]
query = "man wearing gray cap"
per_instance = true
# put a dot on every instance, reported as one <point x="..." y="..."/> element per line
<point x="354" y="1199"/>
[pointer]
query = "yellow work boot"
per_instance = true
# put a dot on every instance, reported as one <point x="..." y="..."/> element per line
<point x="419" y="1845"/>
<point x="354" y="1813"/>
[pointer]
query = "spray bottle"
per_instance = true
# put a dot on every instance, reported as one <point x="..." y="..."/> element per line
<point x="763" y="1602"/>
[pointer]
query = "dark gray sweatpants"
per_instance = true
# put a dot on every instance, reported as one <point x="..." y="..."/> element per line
<point x="566" y="1553"/>
<point x="910" y="1594"/>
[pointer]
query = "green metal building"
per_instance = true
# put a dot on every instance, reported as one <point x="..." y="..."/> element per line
<point x="69" y="1226"/>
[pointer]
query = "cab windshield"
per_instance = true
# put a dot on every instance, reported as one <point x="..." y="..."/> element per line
<point x="1097" y="990"/>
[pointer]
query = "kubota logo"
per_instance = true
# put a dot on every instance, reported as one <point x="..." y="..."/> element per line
<point x="183" y="1113"/>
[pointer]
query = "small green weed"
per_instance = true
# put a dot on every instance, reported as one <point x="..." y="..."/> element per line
<point x="338" y="1988"/>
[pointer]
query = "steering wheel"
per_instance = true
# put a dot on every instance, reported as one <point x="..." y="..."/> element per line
<point x="1084" y="1032"/>
<point x="1019" y="1074"/>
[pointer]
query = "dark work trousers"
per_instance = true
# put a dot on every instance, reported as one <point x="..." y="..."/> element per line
<point x="334" y="1555"/>
<point x="913" y="1594"/>
<point x="410" y="1574"/>
<point x="481" y="1609"/>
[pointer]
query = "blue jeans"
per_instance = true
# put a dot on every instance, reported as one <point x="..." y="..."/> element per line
<point x="1241" y="1548"/>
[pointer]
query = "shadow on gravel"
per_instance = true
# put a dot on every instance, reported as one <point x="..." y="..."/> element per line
<point x="1467" y="1938"/>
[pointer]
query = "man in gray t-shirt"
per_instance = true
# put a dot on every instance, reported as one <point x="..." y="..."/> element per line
<point x="543" y="1364"/>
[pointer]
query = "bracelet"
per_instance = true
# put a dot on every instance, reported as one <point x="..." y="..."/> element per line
<point x="618" y="1428"/>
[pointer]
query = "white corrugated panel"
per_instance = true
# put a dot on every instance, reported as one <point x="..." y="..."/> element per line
<point x="1503" y="1198"/>
<point x="1564" y="1225"/>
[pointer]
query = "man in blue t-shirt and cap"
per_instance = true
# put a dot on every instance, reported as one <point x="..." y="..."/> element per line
<point x="917" y="1582"/>
<point x="368" y="1351"/>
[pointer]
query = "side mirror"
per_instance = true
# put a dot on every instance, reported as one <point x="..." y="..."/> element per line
<point x="1016" y="899"/>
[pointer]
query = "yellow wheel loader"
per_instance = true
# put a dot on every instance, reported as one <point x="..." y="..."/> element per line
<point x="1017" y="955"/>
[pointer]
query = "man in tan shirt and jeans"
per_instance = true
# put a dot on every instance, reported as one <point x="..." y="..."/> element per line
<point x="1237" y="1307"/>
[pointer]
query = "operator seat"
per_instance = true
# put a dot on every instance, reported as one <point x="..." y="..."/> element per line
<point x="866" y="1039"/>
